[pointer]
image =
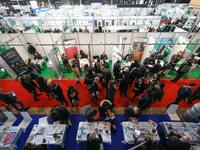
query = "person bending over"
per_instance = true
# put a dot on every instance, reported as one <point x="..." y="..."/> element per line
<point x="11" y="100"/>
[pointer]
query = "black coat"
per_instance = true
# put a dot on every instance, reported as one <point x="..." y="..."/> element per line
<point x="28" y="84"/>
<point x="7" y="98"/>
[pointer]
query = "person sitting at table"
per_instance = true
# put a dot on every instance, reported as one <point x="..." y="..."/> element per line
<point x="66" y="63"/>
<point x="83" y="54"/>
<point x="91" y="114"/>
<point x="131" y="113"/>
<point x="73" y="97"/>
<point x="11" y="100"/>
<point x="175" y="141"/>
<point x="60" y="114"/>
<point x="94" y="141"/>
<point x="106" y="113"/>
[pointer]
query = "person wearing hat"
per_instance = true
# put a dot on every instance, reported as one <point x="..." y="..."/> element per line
<point x="73" y="97"/>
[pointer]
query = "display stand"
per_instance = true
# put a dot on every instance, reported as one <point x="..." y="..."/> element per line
<point x="10" y="119"/>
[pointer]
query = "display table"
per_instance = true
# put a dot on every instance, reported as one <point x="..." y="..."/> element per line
<point x="9" y="137"/>
<point x="52" y="134"/>
<point x="183" y="127"/>
<point x="104" y="128"/>
<point x="133" y="131"/>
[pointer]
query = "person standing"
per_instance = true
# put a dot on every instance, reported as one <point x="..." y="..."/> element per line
<point x="124" y="83"/>
<point x="117" y="70"/>
<point x="94" y="89"/>
<point x="30" y="86"/>
<point x="32" y="51"/>
<point x="107" y="76"/>
<point x="184" y="93"/>
<point x="66" y="63"/>
<point x="184" y="68"/>
<point x="43" y="86"/>
<point x="73" y="97"/>
<point x="58" y="94"/>
<point x="111" y="91"/>
<point x="139" y="87"/>
<point x="11" y="99"/>
<point x="76" y="71"/>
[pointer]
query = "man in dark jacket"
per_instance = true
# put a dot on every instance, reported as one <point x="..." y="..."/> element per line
<point x="30" y="86"/>
<point x="111" y="91"/>
<point x="107" y="76"/>
<point x="184" y="93"/>
<point x="73" y="97"/>
<point x="66" y="63"/>
<point x="139" y="87"/>
<point x="10" y="99"/>
<point x="184" y="68"/>
<point x="124" y="83"/>
<point x="196" y="94"/>
<point x="43" y="86"/>
<point x="94" y="89"/>
<point x="32" y="51"/>
<point x="175" y="141"/>
<point x="157" y="92"/>
<point x="58" y="93"/>
<point x="117" y="70"/>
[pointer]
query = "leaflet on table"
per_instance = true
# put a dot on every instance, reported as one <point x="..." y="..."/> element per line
<point x="7" y="138"/>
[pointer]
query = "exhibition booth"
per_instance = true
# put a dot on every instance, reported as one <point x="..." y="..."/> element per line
<point x="52" y="45"/>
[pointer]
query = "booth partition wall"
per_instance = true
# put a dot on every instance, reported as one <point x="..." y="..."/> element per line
<point x="97" y="43"/>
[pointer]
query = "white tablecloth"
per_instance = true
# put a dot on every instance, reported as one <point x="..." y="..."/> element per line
<point x="139" y="130"/>
<point x="88" y="127"/>
<point x="45" y="135"/>
<point x="9" y="137"/>
<point x="183" y="127"/>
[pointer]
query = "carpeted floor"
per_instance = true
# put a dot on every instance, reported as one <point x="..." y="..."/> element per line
<point x="85" y="97"/>
<point x="70" y="141"/>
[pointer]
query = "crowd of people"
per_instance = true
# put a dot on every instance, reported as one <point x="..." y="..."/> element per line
<point x="143" y="79"/>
